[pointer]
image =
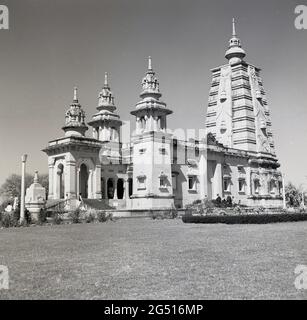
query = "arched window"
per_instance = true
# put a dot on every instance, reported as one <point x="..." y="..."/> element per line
<point x="110" y="191"/>
<point x="256" y="186"/>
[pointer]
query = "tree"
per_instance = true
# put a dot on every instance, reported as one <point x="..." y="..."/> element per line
<point x="12" y="186"/>
<point x="293" y="195"/>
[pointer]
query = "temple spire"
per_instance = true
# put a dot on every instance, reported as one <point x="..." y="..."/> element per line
<point x="235" y="53"/>
<point x="150" y="84"/>
<point x="75" y="118"/>
<point x="106" y="98"/>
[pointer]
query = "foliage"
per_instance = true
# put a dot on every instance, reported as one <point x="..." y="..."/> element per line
<point x="75" y="216"/>
<point x="293" y="195"/>
<point x="12" y="186"/>
<point x="89" y="217"/>
<point x="246" y="219"/>
<point x="57" y="218"/>
<point x="163" y="214"/>
<point x="42" y="216"/>
<point x="102" y="216"/>
<point x="6" y="220"/>
<point x="10" y="219"/>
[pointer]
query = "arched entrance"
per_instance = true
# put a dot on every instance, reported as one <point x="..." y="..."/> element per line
<point x="60" y="181"/>
<point x="120" y="189"/>
<point x="83" y="181"/>
<point x="130" y="184"/>
<point x="110" y="191"/>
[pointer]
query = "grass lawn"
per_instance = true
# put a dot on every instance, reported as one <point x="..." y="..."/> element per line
<point x="147" y="259"/>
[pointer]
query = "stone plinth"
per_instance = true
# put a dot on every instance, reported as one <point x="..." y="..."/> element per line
<point x="35" y="198"/>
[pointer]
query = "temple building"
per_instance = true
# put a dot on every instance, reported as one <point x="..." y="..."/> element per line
<point x="235" y="157"/>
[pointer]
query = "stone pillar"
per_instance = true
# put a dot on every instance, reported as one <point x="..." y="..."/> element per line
<point x="203" y="174"/>
<point x="22" y="196"/>
<point x="70" y="178"/>
<point x="155" y="124"/>
<point x="218" y="181"/>
<point x="90" y="180"/>
<point x="137" y="125"/>
<point x="284" y="192"/>
<point x="115" y="188"/>
<point x="106" y="188"/>
<point x="146" y="123"/>
<point x="78" y="183"/>
<point x="97" y="183"/>
<point x="51" y="178"/>
<point x="126" y="189"/>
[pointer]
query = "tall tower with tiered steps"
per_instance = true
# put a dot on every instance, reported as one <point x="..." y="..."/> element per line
<point x="238" y="113"/>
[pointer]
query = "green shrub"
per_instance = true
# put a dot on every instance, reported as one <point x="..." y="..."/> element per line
<point x="6" y="220"/>
<point x="246" y="219"/>
<point x="42" y="216"/>
<point x="57" y="218"/>
<point x="173" y="213"/>
<point x="102" y="216"/>
<point x="27" y="219"/>
<point x="89" y="218"/>
<point x="75" y="216"/>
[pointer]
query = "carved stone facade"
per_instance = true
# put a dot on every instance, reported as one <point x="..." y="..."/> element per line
<point x="156" y="170"/>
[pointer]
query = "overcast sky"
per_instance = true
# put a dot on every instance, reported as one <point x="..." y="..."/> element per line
<point x="53" y="45"/>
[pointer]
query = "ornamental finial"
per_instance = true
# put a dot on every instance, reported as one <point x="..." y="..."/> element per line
<point x="149" y="63"/>
<point x="36" y="177"/>
<point x="234" y="34"/>
<point x="106" y="79"/>
<point x="75" y="94"/>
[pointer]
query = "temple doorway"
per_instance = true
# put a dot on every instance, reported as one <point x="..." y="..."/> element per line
<point x="120" y="189"/>
<point x="83" y="178"/>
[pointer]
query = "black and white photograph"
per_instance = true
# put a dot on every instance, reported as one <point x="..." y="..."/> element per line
<point x="153" y="150"/>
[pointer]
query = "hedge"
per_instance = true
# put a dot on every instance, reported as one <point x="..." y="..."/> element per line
<point x="246" y="219"/>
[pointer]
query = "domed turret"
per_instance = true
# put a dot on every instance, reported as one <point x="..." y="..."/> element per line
<point x="75" y="119"/>
<point x="235" y="53"/>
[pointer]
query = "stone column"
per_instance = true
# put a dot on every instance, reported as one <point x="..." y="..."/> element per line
<point x="90" y="180"/>
<point x="126" y="189"/>
<point x="97" y="183"/>
<point x="78" y="183"/>
<point x="70" y="191"/>
<point x="155" y="124"/>
<point x="22" y="196"/>
<point x="284" y="192"/>
<point x="115" y="188"/>
<point x="106" y="188"/>
<point x="51" y="178"/>
<point x="218" y="180"/>
<point x="137" y="125"/>
<point x="203" y="174"/>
